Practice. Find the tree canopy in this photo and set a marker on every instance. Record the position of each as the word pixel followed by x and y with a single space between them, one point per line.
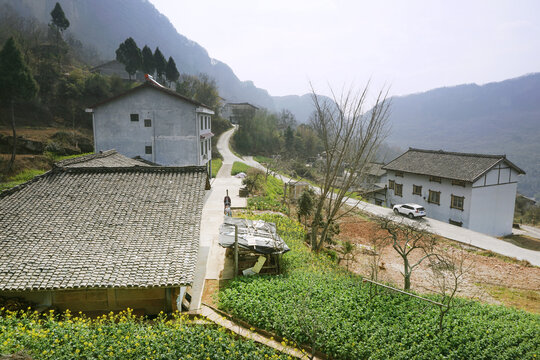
pixel 59 20
pixel 171 72
pixel 129 54
pixel 148 63
pixel 15 77
pixel 160 63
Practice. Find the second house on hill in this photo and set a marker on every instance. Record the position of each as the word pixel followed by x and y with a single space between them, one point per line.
pixel 156 124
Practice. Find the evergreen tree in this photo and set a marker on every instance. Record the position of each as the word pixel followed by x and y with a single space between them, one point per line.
pixel 171 72
pixel 160 63
pixel 129 54
pixel 59 20
pixel 289 142
pixel 17 84
pixel 148 64
pixel 59 23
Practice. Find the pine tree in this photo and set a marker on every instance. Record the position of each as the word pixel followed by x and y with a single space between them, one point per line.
pixel 59 20
pixel 129 54
pixel 59 23
pixel 148 64
pixel 171 72
pixel 17 84
pixel 160 63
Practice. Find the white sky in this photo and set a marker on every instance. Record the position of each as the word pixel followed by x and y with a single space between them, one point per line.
pixel 410 45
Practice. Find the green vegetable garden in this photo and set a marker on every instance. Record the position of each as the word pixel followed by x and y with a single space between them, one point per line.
pixel 122 336
pixel 318 304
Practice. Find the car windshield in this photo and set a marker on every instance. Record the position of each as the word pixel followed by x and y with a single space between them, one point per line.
pixel 421 209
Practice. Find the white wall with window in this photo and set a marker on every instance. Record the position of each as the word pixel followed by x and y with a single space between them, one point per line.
pixel 435 194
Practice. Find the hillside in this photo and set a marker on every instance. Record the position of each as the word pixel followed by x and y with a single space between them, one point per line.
pixel 105 24
pixel 496 118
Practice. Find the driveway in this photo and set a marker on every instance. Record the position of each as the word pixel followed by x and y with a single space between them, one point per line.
pixel 211 259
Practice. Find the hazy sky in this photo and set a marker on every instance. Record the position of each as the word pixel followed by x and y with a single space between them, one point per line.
pixel 412 46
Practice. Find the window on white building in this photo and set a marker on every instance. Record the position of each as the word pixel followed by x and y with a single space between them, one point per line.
pixel 398 190
pixel 457 202
pixel 434 197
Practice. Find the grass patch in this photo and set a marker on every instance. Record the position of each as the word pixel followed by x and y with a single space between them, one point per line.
pixel 20 178
pixel 239 167
pixel 262 159
pixel 523 241
pixel 56 157
pixel 511 260
pixel 122 336
pixel 216 165
pixel 528 300
pixel 316 299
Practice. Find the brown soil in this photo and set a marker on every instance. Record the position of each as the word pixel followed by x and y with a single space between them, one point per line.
pixel 485 271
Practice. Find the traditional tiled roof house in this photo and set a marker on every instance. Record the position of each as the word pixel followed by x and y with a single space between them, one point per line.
pixel 102 233
pixel 475 191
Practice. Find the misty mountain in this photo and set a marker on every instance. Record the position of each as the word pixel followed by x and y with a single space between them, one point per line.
pixel 496 118
pixel 104 24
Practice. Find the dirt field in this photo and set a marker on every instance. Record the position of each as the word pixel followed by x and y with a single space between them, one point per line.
pixel 491 279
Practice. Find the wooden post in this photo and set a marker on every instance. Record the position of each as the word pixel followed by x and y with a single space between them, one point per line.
pixel 235 250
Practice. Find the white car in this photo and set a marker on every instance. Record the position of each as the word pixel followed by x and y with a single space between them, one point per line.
pixel 411 210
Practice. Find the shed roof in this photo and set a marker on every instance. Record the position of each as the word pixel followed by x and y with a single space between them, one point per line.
pixel 101 227
pixel 451 165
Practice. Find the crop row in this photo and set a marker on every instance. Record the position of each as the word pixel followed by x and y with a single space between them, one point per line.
pixel 314 302
pixel 121 336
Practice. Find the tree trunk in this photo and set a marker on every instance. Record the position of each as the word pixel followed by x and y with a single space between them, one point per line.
pixel 406 274
pixel 14 151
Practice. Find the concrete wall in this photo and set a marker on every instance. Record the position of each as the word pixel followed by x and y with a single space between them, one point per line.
pixel 493 201
pixel 174 134
pixel 148 300
pixel 443 211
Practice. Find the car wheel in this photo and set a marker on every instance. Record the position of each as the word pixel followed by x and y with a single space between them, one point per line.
pixel 396 211
pixel 410 216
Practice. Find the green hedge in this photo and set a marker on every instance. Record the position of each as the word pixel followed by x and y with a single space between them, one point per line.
pixel 122 336
pixel 239 167
pixel 350 320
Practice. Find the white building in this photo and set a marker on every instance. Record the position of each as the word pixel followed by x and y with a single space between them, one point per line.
pixel 155 123
pixel 471 190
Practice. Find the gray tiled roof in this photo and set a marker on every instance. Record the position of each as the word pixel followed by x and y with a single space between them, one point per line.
pixel 102 227
pixel 109 158
pixel 450 165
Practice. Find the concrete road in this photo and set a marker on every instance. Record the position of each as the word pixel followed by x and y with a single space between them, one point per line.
pixel 211 259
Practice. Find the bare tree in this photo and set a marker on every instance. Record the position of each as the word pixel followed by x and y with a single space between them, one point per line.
pixel 448 272
pixel 407 238
pixel 377 243
pixel 351 137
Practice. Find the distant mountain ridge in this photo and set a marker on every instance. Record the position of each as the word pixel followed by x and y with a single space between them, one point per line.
pixel 104 24
pixel 495 118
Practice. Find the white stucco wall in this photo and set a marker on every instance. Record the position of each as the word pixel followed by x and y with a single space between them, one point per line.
pixel 441 212
pixel 174 134
pixel 493 201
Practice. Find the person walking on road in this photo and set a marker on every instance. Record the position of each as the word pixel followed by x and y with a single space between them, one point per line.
pixel 227 204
